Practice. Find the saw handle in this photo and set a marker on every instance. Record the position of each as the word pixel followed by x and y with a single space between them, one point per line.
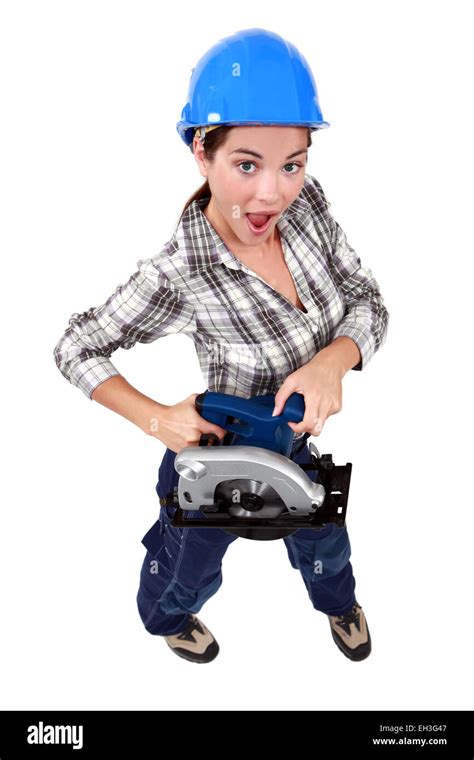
pixel 249 421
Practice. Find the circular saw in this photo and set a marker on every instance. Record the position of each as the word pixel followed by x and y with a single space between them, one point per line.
pixel 248 484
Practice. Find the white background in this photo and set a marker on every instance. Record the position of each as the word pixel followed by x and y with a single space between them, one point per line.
pixel 93 177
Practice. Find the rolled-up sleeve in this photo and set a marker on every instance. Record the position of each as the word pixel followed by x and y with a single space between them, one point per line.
pixel 366 317
pixel 147 307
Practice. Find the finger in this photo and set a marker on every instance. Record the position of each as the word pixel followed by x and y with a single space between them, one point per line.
pixel 191 443
pixel 316 424
pixel 310 416
pixel 313 425
pixel 281 397
pixel 302 427
pixel 220 432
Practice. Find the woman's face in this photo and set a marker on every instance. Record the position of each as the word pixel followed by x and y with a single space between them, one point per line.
pixel 259 170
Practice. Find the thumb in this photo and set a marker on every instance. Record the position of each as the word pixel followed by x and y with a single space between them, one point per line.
pixel 192 398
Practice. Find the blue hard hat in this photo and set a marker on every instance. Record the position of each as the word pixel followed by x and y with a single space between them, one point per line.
pixel 252 77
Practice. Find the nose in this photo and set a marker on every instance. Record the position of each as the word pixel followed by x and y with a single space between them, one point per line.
pixel 267 192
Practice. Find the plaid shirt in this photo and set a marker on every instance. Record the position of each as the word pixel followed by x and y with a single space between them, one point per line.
pixel 248 337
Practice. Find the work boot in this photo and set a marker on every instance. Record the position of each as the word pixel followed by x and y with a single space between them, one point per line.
pixel 351 633
pixel 195 643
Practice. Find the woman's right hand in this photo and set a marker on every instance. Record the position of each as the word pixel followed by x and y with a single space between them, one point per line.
pixel 181 425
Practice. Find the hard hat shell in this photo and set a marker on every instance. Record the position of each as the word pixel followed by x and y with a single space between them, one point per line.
pixel 252 77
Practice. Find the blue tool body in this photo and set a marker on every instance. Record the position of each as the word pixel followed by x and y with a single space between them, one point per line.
pixel 249 421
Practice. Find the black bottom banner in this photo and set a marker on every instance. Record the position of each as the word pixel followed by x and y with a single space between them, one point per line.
pixel 329 733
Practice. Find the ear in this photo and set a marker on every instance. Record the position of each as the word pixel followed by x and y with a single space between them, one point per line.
pixel 198 152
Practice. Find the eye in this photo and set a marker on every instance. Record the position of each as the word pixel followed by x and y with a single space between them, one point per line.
pixel 246 163
pixel 243 164
pixel 298 166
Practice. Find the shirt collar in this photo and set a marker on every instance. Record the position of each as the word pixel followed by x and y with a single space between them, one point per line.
pixel 203 247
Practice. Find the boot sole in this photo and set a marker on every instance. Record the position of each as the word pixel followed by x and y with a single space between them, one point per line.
pixel 208 656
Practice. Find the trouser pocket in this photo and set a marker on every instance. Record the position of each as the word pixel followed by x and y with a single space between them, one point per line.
pixel 167 476
pixel 319 554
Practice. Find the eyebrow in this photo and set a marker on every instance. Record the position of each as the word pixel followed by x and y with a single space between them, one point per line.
pixel 257 155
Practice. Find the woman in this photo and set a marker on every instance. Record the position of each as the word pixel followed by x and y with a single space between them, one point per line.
pixel 261 277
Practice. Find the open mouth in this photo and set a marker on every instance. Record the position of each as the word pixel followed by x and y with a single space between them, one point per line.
pixel 259 223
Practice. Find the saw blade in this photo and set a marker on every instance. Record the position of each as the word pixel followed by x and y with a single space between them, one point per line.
pixel 249 498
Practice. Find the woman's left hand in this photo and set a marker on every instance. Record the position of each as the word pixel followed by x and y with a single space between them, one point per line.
pixel 320 382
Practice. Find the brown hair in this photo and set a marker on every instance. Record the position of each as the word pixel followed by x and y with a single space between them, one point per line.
pixel 215 139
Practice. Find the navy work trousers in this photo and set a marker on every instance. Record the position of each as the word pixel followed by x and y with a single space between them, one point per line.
pixel 182 567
